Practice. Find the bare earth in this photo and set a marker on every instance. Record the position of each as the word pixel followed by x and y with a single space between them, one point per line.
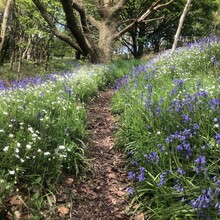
pixel 102 196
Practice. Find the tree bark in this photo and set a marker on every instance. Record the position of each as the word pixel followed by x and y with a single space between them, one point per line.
pixel 4 24
pixel 176 37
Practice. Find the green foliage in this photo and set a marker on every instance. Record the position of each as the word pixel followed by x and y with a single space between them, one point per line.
pixel 169 126
pixel 43 125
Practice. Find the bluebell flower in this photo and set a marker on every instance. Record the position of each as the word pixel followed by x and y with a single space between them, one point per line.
pixel 149 89
pixel 134 163
pixel 217 190
pixel 173 91
pixel 204 201
pixel 196 127
pixel 161 147
pixel 217 206
pixel 186 118
pixel 200 164
pixel 179 82
pixel 130 190
pixel 141 175
pixel 148 102
pixel 181 171
pixel 162 179
pixel 178 187
pixel 214 103
pixel 169 139
pixel 68 90
pixel 217 139
pixel 179 147
pixel 131 175
pixel 176 105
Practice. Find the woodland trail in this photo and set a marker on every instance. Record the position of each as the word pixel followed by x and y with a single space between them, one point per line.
pixel 101 196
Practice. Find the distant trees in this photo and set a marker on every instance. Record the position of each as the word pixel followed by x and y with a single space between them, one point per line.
pixel 159 30
pixel 38 29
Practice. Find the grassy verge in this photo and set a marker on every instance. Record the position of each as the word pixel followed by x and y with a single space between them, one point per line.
pixel 43 128
pixel 170 128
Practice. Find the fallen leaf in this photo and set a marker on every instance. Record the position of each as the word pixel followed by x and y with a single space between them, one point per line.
pixel 69 181
pixel 114 202
pixel 62 210
pixel 112 176
pixel 17 214
pixel 139 217
pixel 121 193
pixel 15 201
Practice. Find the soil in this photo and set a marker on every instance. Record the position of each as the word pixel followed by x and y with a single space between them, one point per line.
pixel 102 195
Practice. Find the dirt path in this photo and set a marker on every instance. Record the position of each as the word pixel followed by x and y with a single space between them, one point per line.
pixel 102 196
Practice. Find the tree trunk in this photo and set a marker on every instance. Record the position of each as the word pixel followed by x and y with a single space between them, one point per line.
pixel 176 37
pixel 156 46
pixel 102 53
pixel 4 25
pixel 19 64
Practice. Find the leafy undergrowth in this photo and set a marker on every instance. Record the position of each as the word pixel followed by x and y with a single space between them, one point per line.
pixel 170 128
pixel 43 128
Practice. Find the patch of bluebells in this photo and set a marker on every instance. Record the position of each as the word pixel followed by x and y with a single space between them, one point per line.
pixel 188 112
pixel 183 138
pixel 152 157
pixel 204 202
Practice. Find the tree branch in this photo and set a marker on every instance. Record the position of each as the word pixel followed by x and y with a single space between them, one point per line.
pixel 155 6
pixel 73 26
pixel 84 17
pixel 53 28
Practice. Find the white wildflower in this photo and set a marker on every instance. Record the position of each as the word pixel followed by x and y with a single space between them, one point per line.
pixel 61 147
pixel 34 135
pixel 28 146
pixel 6 148
pixel 30 129
pixel 1 130
pixel 11 172
pixel 46 153
pixel 11 135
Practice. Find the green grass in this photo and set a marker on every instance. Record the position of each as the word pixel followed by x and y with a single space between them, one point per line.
pixel 169 126
pixel 43 127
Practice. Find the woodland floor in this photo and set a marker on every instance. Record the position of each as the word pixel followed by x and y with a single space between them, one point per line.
pixel 102 195
pixel 98 195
